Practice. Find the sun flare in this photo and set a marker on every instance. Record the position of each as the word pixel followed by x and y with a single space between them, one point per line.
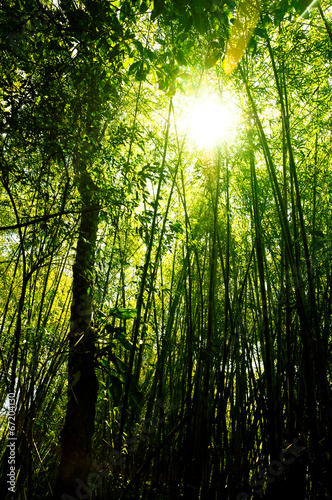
pixel 211 121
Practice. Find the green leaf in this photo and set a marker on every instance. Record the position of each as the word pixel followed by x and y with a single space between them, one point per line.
pixel 176 227
pixel 126 11
pixel 157 9
pixel 134 67
pixel 122 339
pixel 199 22
pixel 123 313
pixel 121 367
pixel 140 69
pixel 103 217
pixel 114 389
pixel 143 7
pixel 139 46
pixel 114 329
pixel 142 72
pixel 180 57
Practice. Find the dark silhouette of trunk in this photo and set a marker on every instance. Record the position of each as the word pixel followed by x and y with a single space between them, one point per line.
pixel 72 481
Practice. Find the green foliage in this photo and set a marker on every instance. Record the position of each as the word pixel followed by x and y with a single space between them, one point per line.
pixel 210 277
pixel 123 313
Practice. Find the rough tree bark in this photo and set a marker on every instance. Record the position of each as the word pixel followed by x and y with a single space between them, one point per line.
pixel 76 435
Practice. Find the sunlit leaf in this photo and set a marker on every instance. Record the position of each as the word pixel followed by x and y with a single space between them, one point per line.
pixel 245 23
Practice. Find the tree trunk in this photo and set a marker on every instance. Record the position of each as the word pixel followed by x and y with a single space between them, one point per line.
pixel 76 435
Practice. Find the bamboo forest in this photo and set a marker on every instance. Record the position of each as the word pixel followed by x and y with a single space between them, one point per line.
pixel 165 249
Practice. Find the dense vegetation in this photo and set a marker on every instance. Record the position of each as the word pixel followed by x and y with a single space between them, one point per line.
pixel 165 308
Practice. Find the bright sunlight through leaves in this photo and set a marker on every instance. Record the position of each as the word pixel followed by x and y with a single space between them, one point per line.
pixel 245 23
pixel 212 121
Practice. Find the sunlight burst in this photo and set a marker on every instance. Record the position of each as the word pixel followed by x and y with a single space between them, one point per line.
pixel 211 121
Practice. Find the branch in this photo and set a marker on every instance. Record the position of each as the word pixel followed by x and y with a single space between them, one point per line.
pixel 42 218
